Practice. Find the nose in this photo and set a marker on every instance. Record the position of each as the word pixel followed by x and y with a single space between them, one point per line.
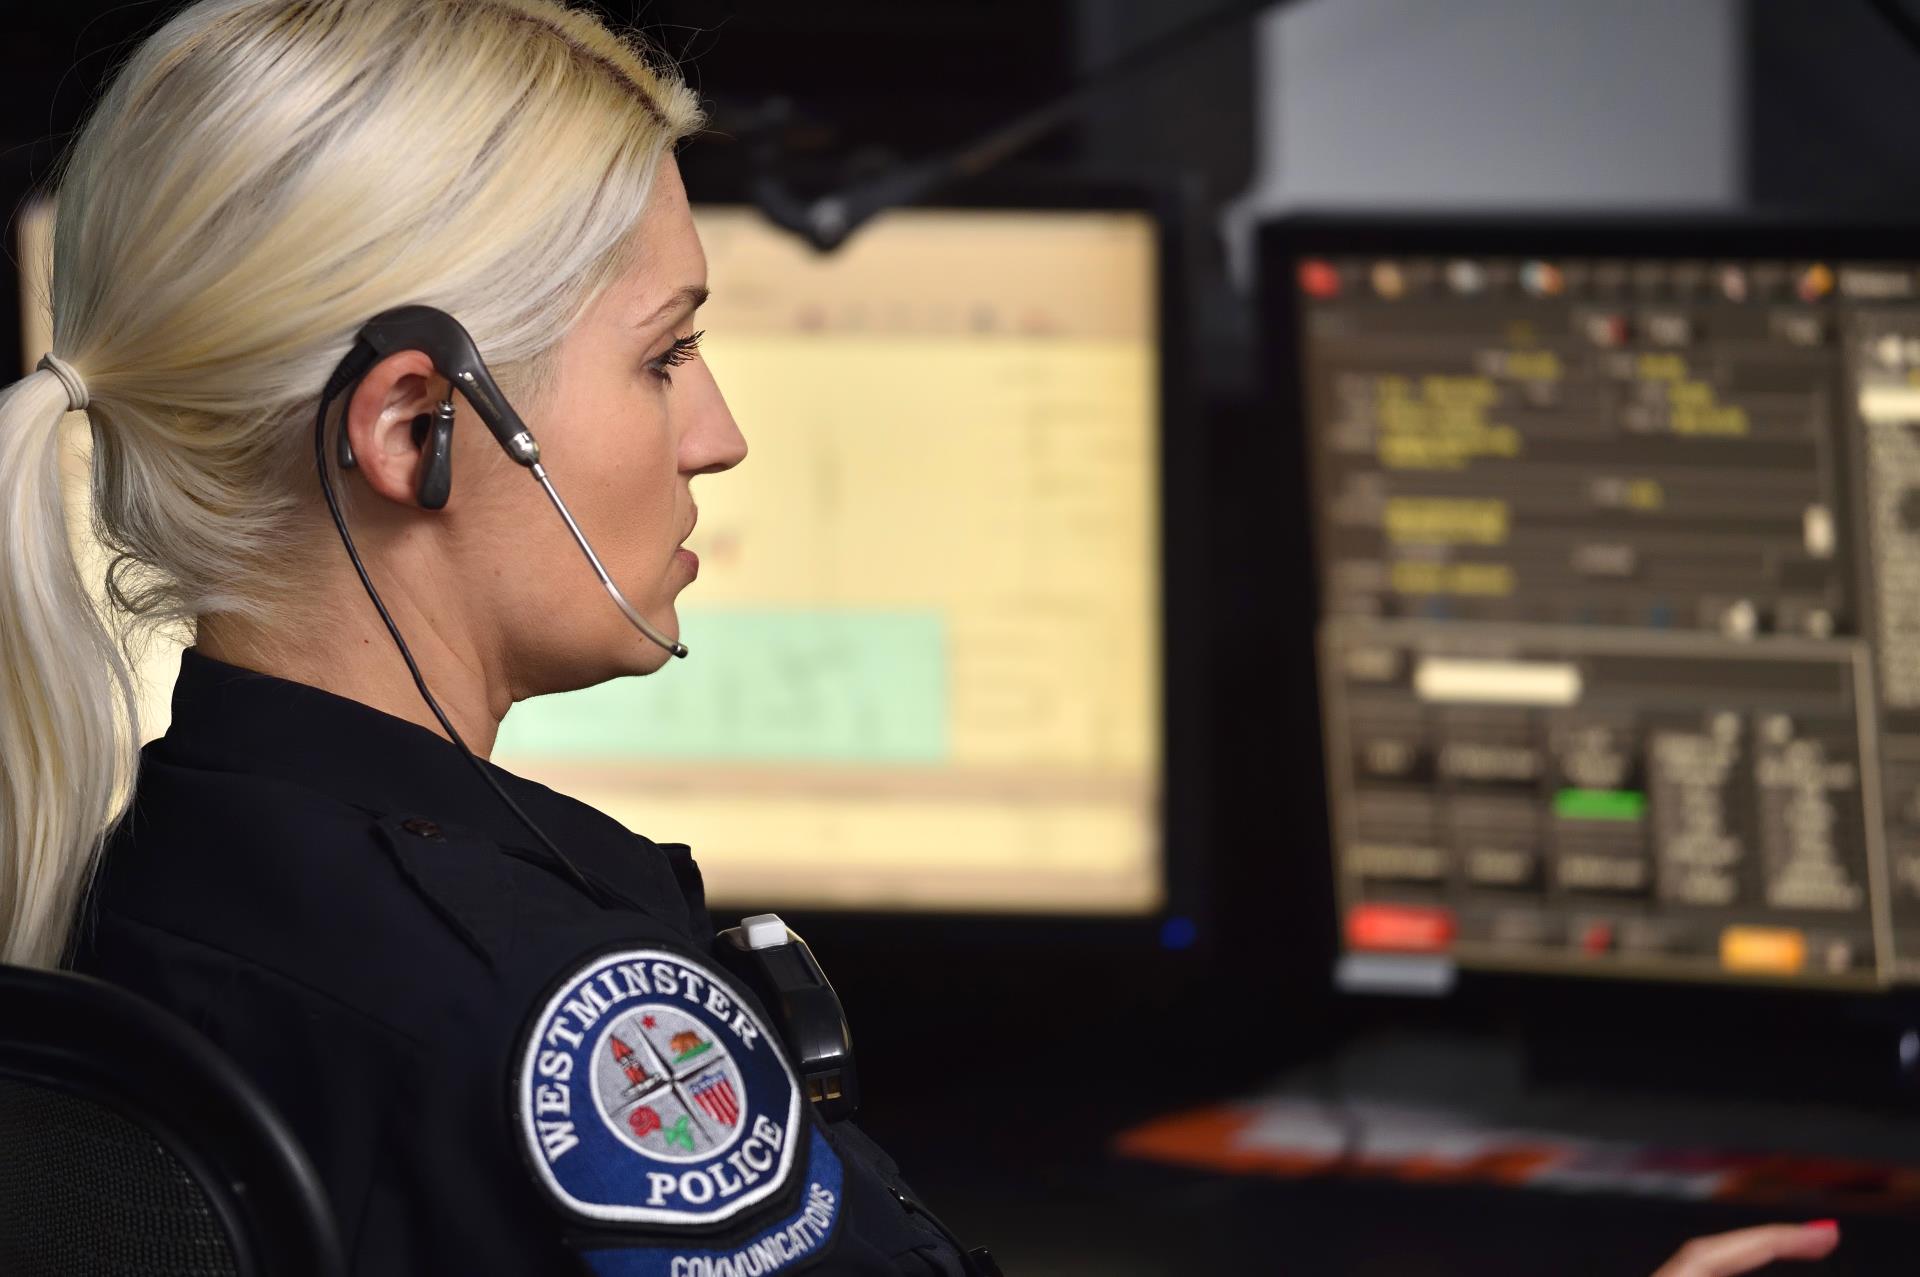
pixel 712 441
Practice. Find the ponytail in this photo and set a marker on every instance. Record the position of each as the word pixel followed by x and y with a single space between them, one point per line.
pixel 67 728
pixel 250 189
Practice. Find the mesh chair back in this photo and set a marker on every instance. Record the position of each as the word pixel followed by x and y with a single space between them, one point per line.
pixel 169 1166
pixel 84 1192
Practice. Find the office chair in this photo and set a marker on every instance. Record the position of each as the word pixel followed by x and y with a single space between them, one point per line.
pixel 130 1146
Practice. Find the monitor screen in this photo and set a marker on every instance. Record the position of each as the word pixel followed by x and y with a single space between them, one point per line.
pixel 1617 532
pixel 925 666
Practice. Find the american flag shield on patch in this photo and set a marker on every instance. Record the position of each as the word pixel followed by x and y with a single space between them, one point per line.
pixel 714 1094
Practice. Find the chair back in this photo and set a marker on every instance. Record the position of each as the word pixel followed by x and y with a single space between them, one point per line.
pixel 129 1144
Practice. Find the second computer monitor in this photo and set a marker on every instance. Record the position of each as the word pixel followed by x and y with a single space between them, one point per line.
pixel 1617 531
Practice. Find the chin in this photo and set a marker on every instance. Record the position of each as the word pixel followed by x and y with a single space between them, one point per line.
pixel 614 650
pixel 645 658
pixel 638 654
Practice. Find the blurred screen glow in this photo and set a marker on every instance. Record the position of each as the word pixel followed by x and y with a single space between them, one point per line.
pixel 925 637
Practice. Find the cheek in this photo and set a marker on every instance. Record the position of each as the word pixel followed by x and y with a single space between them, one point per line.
pixel 636 477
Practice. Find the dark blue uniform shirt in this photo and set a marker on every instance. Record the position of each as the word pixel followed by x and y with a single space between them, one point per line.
pixel 333 897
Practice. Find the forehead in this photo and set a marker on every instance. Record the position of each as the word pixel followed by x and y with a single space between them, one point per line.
pixel 670 256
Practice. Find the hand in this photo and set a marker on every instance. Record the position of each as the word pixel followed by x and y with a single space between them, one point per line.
pixel 1746 1249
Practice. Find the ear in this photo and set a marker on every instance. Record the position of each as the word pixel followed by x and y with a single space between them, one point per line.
pixel 379 423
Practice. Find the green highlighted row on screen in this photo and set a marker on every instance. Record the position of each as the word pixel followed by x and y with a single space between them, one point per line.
pixel 1600 804
pixel 839 686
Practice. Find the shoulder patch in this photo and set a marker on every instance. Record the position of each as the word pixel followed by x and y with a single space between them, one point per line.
pixel 648 1094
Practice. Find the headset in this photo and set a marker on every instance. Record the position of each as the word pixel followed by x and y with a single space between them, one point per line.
pixel 447 343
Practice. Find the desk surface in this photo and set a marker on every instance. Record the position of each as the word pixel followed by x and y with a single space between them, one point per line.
pixel 1039 1185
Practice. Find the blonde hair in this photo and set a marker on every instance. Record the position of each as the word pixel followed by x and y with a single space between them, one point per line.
pixel 261 178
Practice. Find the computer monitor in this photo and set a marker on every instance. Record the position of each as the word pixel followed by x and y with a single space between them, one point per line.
pixel 927 664
pixel 1617 537
pixel 926 636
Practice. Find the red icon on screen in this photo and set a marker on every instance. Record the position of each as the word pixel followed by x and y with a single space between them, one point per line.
pixel 1608 330
pixel 1400 928
pixel 1319 279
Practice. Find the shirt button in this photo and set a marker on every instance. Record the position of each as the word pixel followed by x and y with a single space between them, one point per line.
pixel 421 828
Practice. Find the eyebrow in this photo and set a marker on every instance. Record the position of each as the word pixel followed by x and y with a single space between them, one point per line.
pixel 690 297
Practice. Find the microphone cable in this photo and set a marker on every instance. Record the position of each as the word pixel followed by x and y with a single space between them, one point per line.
pixel 335 385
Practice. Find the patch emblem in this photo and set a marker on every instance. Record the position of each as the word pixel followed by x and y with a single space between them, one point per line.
pixel 648 1094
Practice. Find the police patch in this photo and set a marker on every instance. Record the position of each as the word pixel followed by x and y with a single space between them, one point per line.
pixel 649 1094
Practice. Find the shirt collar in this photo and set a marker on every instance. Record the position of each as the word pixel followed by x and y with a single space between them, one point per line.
pixel 230 719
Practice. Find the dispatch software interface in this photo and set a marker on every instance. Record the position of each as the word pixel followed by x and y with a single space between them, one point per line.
pixel 1621 639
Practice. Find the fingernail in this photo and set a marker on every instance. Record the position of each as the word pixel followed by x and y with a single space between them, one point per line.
pixel 1833 1224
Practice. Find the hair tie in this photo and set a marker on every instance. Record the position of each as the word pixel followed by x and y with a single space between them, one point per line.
pixel 69 377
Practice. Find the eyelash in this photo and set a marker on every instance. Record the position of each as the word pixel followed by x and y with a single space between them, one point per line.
pixel 682 350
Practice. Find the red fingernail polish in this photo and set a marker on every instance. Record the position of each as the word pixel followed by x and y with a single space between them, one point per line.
pixel 1834 1224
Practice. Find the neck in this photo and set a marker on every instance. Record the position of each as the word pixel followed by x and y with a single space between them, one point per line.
pixel 350 654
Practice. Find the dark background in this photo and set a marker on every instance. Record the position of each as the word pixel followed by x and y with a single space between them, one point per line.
pixel 999 1060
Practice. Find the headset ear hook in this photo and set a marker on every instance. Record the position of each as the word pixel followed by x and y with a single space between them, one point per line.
pixel 436 464
pixel 344 452
pixel 435 430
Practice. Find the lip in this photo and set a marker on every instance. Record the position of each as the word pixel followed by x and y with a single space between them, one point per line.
pixel 694 524
pixel 688 557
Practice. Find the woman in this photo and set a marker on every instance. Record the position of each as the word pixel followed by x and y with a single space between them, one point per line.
pixel 501 1040
pixel 495 1018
